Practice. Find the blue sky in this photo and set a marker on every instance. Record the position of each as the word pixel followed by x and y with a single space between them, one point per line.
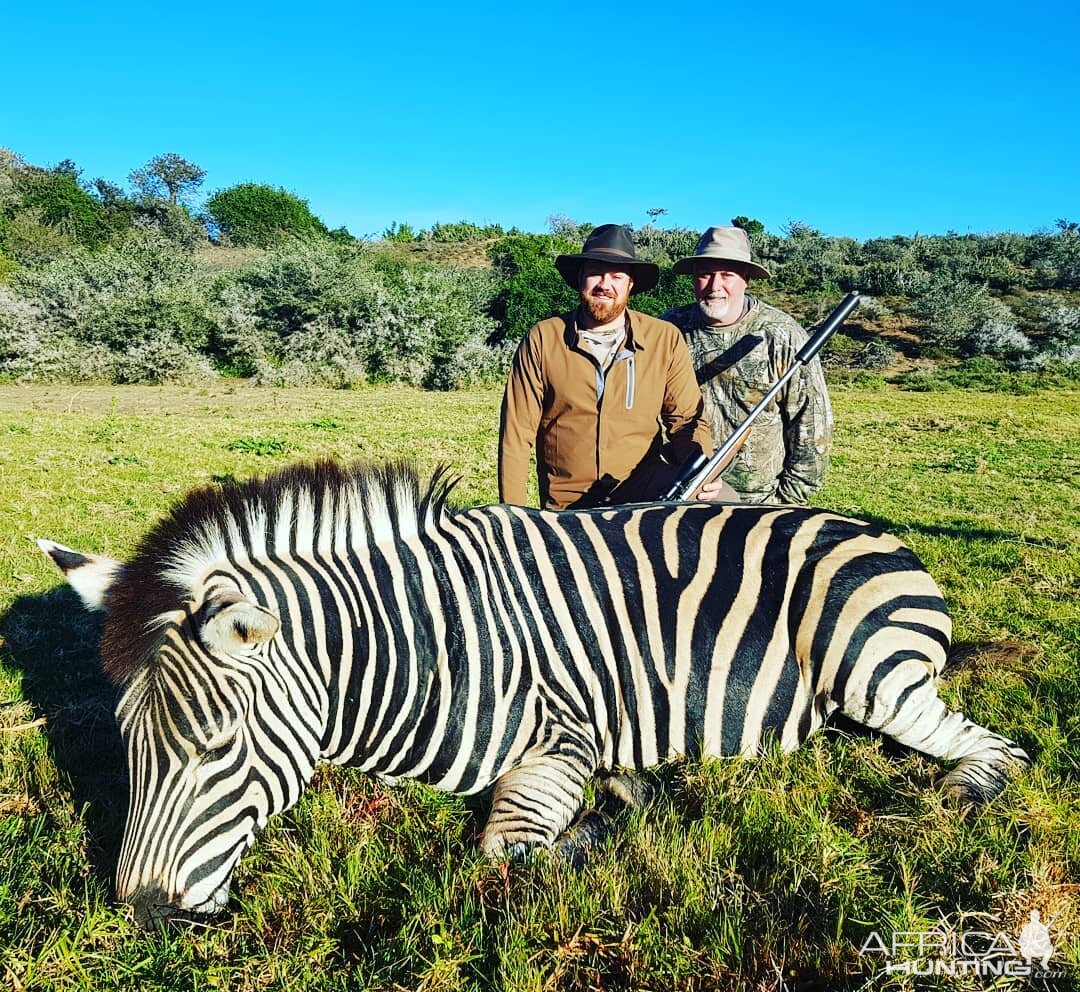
pixel 858 119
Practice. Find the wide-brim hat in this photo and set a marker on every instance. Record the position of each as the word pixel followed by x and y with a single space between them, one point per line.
pixel 723 244
pixel 612 245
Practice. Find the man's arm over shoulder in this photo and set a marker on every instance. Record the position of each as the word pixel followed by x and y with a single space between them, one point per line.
pixel 521 410
pixel 808 424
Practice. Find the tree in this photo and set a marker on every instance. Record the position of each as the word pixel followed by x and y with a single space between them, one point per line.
pixel 749 226
pixel 61 203
pixel 167 176
pixel 108 193
pixel 254 214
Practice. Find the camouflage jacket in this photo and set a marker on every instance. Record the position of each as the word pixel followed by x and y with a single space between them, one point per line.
pixel 785 457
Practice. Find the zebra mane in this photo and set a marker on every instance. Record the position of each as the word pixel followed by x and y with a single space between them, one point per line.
pixel 300 509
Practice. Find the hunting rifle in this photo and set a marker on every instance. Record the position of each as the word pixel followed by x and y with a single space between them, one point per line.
pixel 701 470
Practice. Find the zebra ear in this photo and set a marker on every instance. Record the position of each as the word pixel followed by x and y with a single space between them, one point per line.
pixel 91 576
pixel 231 624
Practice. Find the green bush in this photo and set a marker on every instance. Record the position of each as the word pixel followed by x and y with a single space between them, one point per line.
pixel 989 375
pixel 258 215
pixel 464 231
pixel 1058 257
pixel 63 204
pixel 664 246
pixel 8 267
pixel 131 312
pixel 951 308
pixel 400 233
pixel 531 288
pixel 172 221
pixel 671 291
pixel 314 311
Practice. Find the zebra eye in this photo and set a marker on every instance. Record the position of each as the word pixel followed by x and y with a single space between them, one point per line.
pixel 219 750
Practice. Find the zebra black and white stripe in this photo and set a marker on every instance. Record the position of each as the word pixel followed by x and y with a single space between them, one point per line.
pixel 344 615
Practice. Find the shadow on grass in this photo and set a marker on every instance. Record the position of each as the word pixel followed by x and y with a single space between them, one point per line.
pixel 960 531
pixel 54 641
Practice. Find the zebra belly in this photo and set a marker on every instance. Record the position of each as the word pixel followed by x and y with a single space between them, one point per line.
pixel 735 706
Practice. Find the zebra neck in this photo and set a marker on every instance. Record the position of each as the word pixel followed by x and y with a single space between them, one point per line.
pixel 385 661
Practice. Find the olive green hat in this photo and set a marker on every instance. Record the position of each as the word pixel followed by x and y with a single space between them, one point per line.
pixel 723 244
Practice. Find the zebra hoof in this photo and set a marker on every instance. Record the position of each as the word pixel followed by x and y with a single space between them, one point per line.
pixel 978 780
pixel 628 788
pixel 589 831
pixel 497 846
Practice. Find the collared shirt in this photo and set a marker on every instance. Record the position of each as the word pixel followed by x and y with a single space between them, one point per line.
pixel 785 457
pixel 592 426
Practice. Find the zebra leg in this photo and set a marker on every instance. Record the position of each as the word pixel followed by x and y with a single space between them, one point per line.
pixel 627 788
pixel 906 706
pixel 620 790
pixel 533 803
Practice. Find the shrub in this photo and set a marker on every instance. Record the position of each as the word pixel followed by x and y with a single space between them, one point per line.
pixel 806 259
pixel 8 267
pixel 1058 257
pixel 61 203
pixel 997 335
pixel 839 351
pixel 1061 343
pixel 29 242
pixel 31 348
pixel 400 233
pixel 289 318
pixel 951 309
pixel 531 288
pixel 473 363
pixel 463 231
pixel 569 230
pixel 664 246
pixel 900 278
pixel 124 293
pixel 875 354
pixel 319 312
pixel 133 312
pixel 671 291
pixel 160 356
pixel 317 353
pixel 173 221
pixel 254 214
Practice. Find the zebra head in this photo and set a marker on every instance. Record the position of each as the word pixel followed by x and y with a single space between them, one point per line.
pixel 217 740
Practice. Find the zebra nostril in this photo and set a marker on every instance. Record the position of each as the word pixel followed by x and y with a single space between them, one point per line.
pixel 152 907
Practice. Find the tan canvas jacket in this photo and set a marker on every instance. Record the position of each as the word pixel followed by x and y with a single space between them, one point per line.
pixel 591 427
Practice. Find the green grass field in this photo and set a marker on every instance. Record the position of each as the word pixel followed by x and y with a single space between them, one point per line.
pixel 768 874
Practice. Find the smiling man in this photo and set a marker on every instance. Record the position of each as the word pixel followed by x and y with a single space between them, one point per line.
pixel 595 390
pixel 740 347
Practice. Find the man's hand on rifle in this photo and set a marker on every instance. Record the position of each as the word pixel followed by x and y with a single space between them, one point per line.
pixel 718 491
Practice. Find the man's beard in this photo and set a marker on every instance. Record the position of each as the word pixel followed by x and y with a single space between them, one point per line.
pixel 603 309
pixel 715 310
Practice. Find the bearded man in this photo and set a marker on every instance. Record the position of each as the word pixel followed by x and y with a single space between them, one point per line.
pixel 594 390
pixel 740 347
